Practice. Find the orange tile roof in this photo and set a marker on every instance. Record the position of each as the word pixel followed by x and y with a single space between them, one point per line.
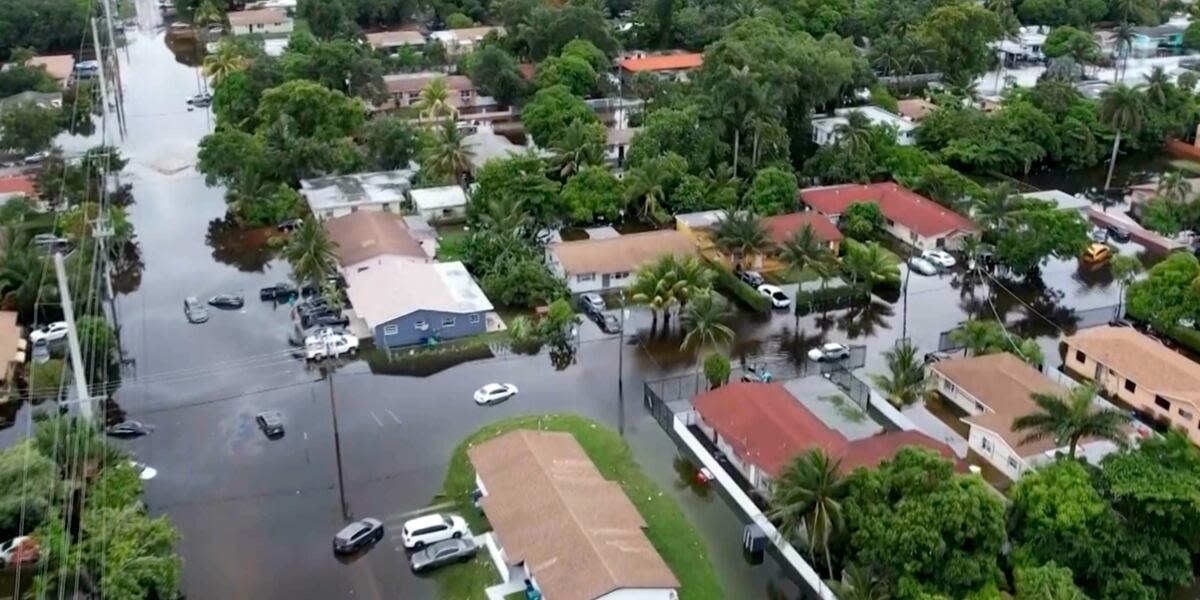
pixel 663 62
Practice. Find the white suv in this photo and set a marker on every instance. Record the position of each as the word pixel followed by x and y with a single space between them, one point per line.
pixel 426 530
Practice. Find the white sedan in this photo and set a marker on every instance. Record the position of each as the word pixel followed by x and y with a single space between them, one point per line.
pixel 922 266
pixel 49 333
pixel 775 295
pixel 495 393
pixel 829 351
pixel 940 258
pixel 145 472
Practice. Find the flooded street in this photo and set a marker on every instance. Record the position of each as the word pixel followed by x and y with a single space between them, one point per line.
pixel 257 516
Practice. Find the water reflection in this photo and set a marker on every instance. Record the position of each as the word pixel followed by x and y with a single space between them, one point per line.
pixel 127 266
pixel 866 319
pixel 689 478
pixel 244 249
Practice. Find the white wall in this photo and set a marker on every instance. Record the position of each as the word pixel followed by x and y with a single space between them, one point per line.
pixel 275 28
pixel 997 451
pixel 752 473
pixel 341 211
pixel 641 594
pixel 596 282
pixel 434 215
pixel 956 394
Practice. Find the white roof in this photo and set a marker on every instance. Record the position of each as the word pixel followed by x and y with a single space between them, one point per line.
pixel 486 144
pixel 450 196
pixel 702 219
pixel 874 114
pixel 1061 199
pixel 356 190
pixel 388 287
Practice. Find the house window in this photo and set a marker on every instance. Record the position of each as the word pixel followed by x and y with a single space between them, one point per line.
pixel 1162 403
pixel 473 319
pixel 448 321
pixel 465 96
pixel 949 386
pixel 987 445
pixel 1187 414
pixel 621 275
pixel 980 407
pixel 1080 356
pixel 447 212
pixel 420 324
pixel 582 277
pixel 1130 386
pixel 1013 464
pixel 391 329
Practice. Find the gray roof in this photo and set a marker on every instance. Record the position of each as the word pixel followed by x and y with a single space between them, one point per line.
pixel 448 196
pixel 1061 199
pixel 389 287
pixel 486 145
pixel 357 190
pixel 701 220
pixel 1159 31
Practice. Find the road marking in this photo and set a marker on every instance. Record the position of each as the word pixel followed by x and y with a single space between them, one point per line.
pixel 394 417
pixel 377 421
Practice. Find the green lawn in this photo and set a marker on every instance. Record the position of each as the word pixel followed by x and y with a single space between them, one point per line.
pixel 667 528
pixel 782 277
pixel 451 243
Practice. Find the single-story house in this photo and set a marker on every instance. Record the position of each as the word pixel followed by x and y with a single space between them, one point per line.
pixel 595 265
pixel 395 39
pixel 618 141
pixel 914 109
pixel 486 144
pixel 1061 200
pixel 908 216
pixel 1140 372
pixel 340 195
pixel 994 390
pixel 671 65
pixel 405 88
pixel 1147 40
pixel 1026 47
pixel 780 228
pixel 12 349
pixel 41 99
pixel 60 66
pixel 702 226
pixel 825 130
pixel 559 523
pixel 261 21
pixel 17 186
pixel 761 427
pixel 405 301
pixel 445 203
pixel 367 234
pixel 462 41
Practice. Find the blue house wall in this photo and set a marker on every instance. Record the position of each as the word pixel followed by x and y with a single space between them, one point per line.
pixel 407 330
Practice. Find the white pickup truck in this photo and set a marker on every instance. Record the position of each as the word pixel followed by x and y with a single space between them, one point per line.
pixel 320 347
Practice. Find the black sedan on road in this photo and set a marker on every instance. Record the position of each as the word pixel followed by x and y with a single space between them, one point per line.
pixel 607 323
pixel 280 292
pixel 227 301
pixel 128 429
pixel 443 553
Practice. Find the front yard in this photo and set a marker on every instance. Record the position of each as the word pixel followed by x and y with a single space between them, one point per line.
pixel 667 528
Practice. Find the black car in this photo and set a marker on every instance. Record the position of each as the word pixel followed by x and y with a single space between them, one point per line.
pixel 751 278
pixel 227 301
pixel 271 423
pixel 357 535
pixel 128 429
pixel 1118 233
pixel 607 323
pixel 324 320
pixel 280 292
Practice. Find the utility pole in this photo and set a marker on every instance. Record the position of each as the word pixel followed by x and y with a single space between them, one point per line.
pixel 103 86
pixel 621 372
pixel 337 438
pixel 78 369
pixel 116 64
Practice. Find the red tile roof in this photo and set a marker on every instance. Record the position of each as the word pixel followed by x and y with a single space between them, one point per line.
pixel 663 62
pixel 17 185
pixel 781 227
pixel 768 427
pixel 922 215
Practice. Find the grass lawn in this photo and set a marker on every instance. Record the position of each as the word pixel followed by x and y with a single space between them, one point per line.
pixel 451 240
pixel 784 277
pixel 667 528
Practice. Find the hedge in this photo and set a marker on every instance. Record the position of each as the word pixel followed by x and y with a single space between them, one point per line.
pixel 841 296
pixel 735 289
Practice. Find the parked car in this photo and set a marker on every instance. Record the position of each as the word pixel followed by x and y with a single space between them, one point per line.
pixel 227 301
pixel 829 352
pixel 280 292
pixel 195 311
pixel 429 529
pixel 606 322
pixel 271 423
pixel 145 472
pixel 940 258
pixel 289 225
pixel 756 374
pixel 48 242
pixel 200 100
pixel 49 333
pixel 22 549
pixel 591 303
pixel 443 553
pixel 128 429
pixel 1098 235
pixel 921 266
pixel 36 158
pixel 1119 234
pixel 357 535
pixel 326 346
pixel 298 336
pixel 324 320
pixel 495 393
pixel 751 278
pixel 775 295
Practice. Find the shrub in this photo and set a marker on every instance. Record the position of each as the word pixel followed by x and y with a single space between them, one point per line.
pixel 716 370
pixel 840 296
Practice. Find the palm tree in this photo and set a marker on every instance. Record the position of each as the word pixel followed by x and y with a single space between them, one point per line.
pixel 448 154
pixel 803 249
pixel 1125 269
pixel 704 323
pixel 1158 87
pixel 434 102
pixel 1173 186
pixel 806 501
pixel 1028 350
pixel 854 136
pixel 905 380
pixel 21 276
pixel 1123 42
pixel 1121 107
pixel 976 337
pixel 1070 418
pixel 226 60
pixel 741 234
pixel 576 148
pixel 859 583
pixel 668 283
pixel 870 264
pixel 733 105
pixel 997 206
pixel 647 185
pixel 311 253
pixel 207 13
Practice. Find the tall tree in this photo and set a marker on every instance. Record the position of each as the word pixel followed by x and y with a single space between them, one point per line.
pixel 1125 269
pixel 802 249
pixel 434 101
pixel 904 382
pixel 448 154
pixel 1122 109
pixel 741 235
pixel 870 265
pixel 580 145
pixel 312 254
pixel 806 500
pixel 1068 419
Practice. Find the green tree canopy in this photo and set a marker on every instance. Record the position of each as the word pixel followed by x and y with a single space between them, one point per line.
pixel 521 179
pixel 593 194
pixel 551 110
pixel 1168 292
pixel 772 192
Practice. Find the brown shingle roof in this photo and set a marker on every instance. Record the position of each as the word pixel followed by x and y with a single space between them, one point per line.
pixel 1136 357
pixel 623 253
pixel 392 39
pixel 1003 383
pixel 551 509
pixel 257 16
pixel 415 82
pixel 366 234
